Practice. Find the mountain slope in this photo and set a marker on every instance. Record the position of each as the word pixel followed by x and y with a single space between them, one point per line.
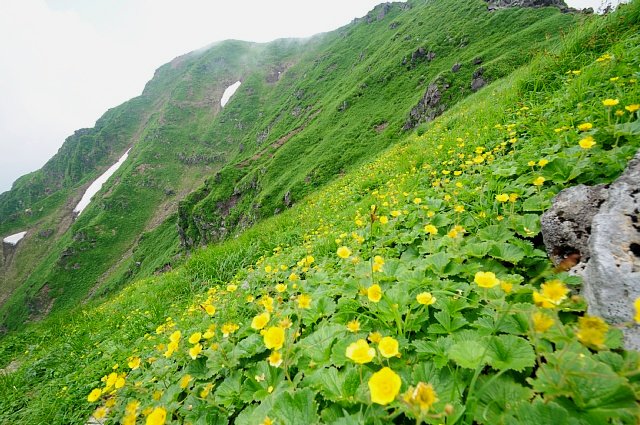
pixel 306 112
pixel 483 355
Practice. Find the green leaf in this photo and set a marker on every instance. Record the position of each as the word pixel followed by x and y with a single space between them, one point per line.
pixel 593 386
pixel 560 170
pixel 478 249
pixel 447 324
pixel 469 354
pixel 229 390
pixel 510 352
pixel 627 129
pixel 296 408
pixel 335 385
pixel 248 347
pixel 536 203
pixel 506 252
pixel 437 262
pixel 317 346
pixel 498 399
pixel 542 413
pixel 495 233
pixel 527 225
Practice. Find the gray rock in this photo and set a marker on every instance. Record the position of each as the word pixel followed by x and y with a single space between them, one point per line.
pixel 566 226
pixel 612 274
pixel 478 83
pixel 427 109
pixel 456 67
pixel 501 4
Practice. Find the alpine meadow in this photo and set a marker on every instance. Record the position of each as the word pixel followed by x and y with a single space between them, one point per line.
pixel 362 233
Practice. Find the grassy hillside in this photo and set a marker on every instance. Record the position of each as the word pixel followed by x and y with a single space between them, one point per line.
pixel 306 112
pixel 434 246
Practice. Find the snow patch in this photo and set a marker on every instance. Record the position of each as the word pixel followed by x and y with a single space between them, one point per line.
pixel 14 239
pixel 229 92
pixel 97 184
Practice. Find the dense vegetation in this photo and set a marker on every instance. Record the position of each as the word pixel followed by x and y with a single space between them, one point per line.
pixel 306 112
pixel 413 288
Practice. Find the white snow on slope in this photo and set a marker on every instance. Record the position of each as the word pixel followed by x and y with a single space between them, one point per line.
pixel 97 184
pixel 229 92
pixel 14 239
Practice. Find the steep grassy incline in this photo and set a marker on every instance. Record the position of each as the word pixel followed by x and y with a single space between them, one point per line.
pixel 306 112
pixel 354 95
pixel 413 289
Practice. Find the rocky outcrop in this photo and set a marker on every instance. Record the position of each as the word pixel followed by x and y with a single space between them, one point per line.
pixel 501 4
pixel 478 80
pixel 601 224
pixel 428 108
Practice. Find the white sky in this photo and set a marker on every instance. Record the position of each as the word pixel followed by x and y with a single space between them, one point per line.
pixel 65 62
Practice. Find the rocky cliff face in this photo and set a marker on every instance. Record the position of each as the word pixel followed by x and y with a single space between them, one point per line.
pixel 500 4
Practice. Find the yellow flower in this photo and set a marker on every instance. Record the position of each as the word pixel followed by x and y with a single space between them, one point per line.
pixel 486 279
pixel 592 330
pixel 513 197
pixel 268 269
pixel 267 421
pixel 134 363
pixel 636 304
pixel 425 298
pixel 360 352
pixel 541 322
pixel 120 381
pixel 417 201
pixel 422 396
pixel 353 326
pixel 375 337
pixel 275 359
pixel 228 329
pixel 267 303
pixel 383 219
pixel 531 163
pixel 260 321
pixel 506 286
pixel 632 108
pixel 539 181
pixel 281 287
pixel 431 229
pixel 610 102
pixel 184 382
pixel 395 213
pixel 210 332
pixel 543 162
pixel 175 337
pixel 587 143
pixel 157 416
pixel 458 208
pixel 232 288
pixel 195 337
pixel 94 395
pixel 374 293
pixel 553 293
pixel 585 126
pixel 274 338
pixel 195 350
pixel 206 390
pixel 210 309
pixel 388 347
pixel 100 413
pixel 304 301
pixel 503 197
pixel 293 277
pixel 344 252
pixel 384 386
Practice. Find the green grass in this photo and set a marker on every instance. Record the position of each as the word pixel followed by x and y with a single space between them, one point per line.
pixel 180 137
pixel 477 348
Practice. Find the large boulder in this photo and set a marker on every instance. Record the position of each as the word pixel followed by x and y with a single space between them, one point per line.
pixel 600 225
